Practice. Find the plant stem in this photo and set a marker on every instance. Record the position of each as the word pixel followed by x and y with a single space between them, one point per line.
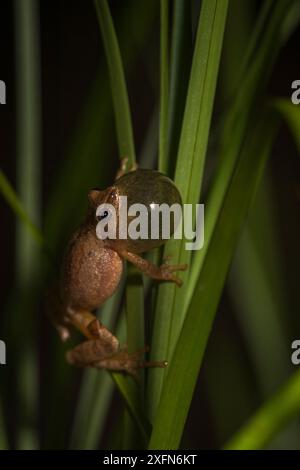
pixel 188 177
pixel 28 187
pixel 189 351
pixel 270 418
pixel 164 85
pixel 3 436
pixel 117 83
pixel 180 64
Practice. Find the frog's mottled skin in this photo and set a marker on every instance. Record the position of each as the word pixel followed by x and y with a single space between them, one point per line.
pixel 92 270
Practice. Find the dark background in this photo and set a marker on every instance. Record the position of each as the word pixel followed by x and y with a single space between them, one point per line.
pixel 71 52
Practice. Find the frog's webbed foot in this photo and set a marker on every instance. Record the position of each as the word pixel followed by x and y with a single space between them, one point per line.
pixel 166 272
pixel 122 170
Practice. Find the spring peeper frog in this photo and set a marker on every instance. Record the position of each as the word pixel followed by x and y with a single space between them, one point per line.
pixel 92 270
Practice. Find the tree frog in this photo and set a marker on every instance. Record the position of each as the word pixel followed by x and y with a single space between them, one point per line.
pixel 92 270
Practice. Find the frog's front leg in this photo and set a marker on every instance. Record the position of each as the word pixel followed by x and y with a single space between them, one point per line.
pixel 165 272
pixel 102 349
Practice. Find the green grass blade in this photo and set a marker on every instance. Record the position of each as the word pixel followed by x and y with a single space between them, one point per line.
pixel 117 83
pixel 96 388
pixel 258 288
pixel 291 114
pixel 17 207
pixel 133 407
pixel 3 436
pixel 291 21
pixel 135 340
pixel 85 164
pixel 258 307
pixel 89 420
pixel 188 177
pixel 238 29
pixel 240 55
pixel 134 304
pixel 92 140
pixel 261 310
pixel 96 391
pixel 225 380
pixel 164 86
pixel 184 368
pixel 239 26
pixel 28 84
pixel 236 123
pixel 88 427
pixel 149 148
pixel 272 416
pixel 180 63
pixel 195 130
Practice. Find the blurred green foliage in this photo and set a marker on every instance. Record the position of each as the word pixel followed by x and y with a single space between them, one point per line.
pixel 217 127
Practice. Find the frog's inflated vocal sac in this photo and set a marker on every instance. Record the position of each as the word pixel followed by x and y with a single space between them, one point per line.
pixel 92 270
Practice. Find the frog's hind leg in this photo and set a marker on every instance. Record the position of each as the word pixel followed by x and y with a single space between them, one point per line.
pixel 101 355
pixel 102 349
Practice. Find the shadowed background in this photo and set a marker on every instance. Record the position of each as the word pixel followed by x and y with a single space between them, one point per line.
pixel 248 353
